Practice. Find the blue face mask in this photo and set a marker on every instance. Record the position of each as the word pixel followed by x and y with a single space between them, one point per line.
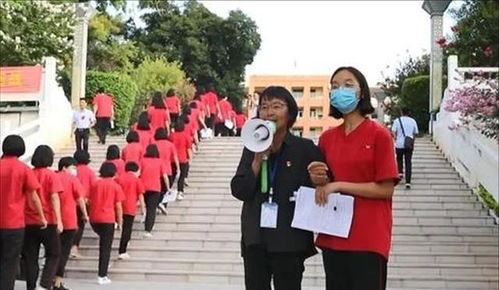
pixel 344 100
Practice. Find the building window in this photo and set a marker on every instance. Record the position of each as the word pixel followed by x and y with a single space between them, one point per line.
pixel 316 92
pixel 315 132
pixel 297 92
pixel 300 112
pixel 297 132
pixel 316 113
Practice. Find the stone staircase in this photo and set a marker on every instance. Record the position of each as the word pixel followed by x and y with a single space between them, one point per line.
pixel 443 237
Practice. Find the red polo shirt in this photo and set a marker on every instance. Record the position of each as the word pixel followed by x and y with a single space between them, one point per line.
pixel 166 153
pixel 211 100
pixel 132 152
pixel 200 106
pixel 73 190
pixel 50 184
pixel 364 155
pixel 104 105
pixel 120 165
pixel 194 118
pixel 104 195
pixel 17 181
pixel 86 176
pixel 132 188
pixel 225 108
pixel 240 120
pixel 173 103
pixel 152 169
pixel 183 143
pixel 158 118
pixel 145 137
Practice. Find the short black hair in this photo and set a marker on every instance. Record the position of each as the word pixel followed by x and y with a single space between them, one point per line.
pixel 193 105
pixel 13 145
pixel 197 96
pixel 170 93
pixel 405 111
pixel 186 110
pixel 132 137
pixel 83 99
pixel 185 118
pixel 152 151
pixel 113 152
pixel 82 157
pixel 107 169
pixel 131 166
pixel 42 157
pixel 365 107
pixel 179 125
pixel 66 162
pixel 101 90
pixel 143 122
pixel 281 93
pixel 161 134
pixel 157 101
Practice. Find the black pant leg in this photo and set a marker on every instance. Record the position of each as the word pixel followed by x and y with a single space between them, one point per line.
pixel 11 244
pixel 81 226
pixel 400 157
pixel 287 270
pixel 30 252
pixel 408 165
pixel 335 270
pixel 238 132
pixel 184 167
pixel 67 237
pixel 52 244
pixel 86 136
pixel 367 271
pixel 126 232
pixel 106 235
pixel 78 139
pixel 151 199
pixel 257 270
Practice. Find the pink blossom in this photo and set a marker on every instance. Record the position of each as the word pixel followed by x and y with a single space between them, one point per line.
pixel 488 51
pixel 454 28
pixel 442 42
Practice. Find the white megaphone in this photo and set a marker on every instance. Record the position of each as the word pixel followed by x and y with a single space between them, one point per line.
pixel 258 134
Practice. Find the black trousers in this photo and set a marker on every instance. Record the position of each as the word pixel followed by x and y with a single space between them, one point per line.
pixel 106 235
pixel 405 155
pixel 66 238
pixel 126 232
pixel 349 270
pixel 238 131
pixel 151 199
pixel 184 172
pixel 81 137
pixel 210 122
pixel 81 227
pixel 33 237
pixel 11 244
pixel 260 267
pixel 173 118
pixel 102 127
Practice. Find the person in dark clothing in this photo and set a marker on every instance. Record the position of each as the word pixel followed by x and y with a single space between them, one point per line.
pixel 276 251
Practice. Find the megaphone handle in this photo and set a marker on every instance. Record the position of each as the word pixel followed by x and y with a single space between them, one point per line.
pixel 265 176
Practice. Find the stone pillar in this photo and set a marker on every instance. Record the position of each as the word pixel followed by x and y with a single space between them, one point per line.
pixel 83 14
pixel 436 9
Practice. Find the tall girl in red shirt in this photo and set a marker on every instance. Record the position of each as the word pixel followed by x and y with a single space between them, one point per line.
pixel 167 153
pixel 158 113
pixel 172 102
pixel 49 191
pixel 183 144
pixel 144 130
pixel 360 155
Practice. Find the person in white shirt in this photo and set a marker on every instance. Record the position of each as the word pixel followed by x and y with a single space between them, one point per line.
pixel 402 127
pixel 83 120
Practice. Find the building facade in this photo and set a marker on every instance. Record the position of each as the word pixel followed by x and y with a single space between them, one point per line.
pixel 311 92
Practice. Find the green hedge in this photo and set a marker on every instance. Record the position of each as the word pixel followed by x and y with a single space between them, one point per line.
pixel 121 86
pixel 415 95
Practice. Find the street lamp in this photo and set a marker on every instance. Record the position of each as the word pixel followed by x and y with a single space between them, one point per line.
pixel 84 12
pixel 436 9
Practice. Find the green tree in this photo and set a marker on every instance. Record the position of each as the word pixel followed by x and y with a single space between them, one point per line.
pixel 476 35
pixel 415 95
pixel 30 30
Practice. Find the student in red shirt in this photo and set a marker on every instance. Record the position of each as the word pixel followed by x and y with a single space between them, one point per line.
pixel 173 104
pixel 158 113
pixel 49 191
pixel 232 118
pixel 168 154
pixel 113 156
pixel 72 196
pixel 104 113
pixel 200 106
pixel 18 184
pixel 197 117
pixel 87 177
pixel 105 209
pixel 183 144
pixel 189 128
pixel 144 130
pixel 240 121
pixel 133 190
pixel 152 170
pixel 212 100
pixel 133 151
pixel 360 155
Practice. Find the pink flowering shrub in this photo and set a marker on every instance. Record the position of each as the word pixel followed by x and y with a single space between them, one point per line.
pixel 478 105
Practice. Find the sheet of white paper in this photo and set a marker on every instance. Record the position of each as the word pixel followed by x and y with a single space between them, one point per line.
pixel 170 196
pixel 335 218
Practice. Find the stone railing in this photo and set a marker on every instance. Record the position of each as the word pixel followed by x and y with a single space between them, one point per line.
pixel 473 155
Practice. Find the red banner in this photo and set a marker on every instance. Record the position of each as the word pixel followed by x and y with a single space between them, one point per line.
pixel 20 79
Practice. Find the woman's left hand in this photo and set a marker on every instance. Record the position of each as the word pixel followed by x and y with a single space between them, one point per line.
pixel 322 193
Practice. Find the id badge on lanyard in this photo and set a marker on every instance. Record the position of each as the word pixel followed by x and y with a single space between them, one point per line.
pixel 270 209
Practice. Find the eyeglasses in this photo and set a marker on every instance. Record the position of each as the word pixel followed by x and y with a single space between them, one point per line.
pixel 275 107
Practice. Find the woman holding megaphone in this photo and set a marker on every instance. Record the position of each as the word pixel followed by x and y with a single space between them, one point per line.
pixel 266 179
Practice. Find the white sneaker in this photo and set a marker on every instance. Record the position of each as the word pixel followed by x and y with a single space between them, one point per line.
pixel 407 186
pixel 147 235
pixel 124 256
pixel 162 208
pixel 180 195
pixel 103 280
